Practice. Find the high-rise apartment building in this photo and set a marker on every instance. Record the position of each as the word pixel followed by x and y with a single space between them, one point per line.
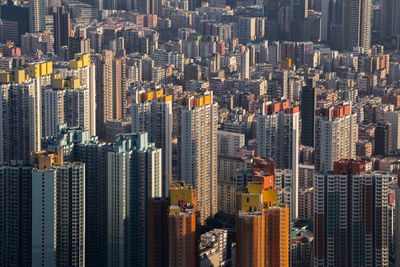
pixel 350 216
pixel 347 24
pixel 66 103
pixel 390 23
pixel 70 215
pixel 145 183
pixel 301 248
pixel 278 135
pixel 16 20
pixel 111 89
pixel 22 102
pixel 393 117
pixel 120 179
pixel 62 29
pixel 152 112
pixel 58 211
pixel 227 181
pixel 197 116
pixel 78 146
pixel 262 228
pixel 247 29
pixel 357 15
pixel 82 68
pixel 118 68
pixel 230 143
pixel 15 215
pixel 158 242
pixel 383 138
pixel 106 95
pixel 44 210
pixel 70 99
pixel 308 106
pixel 38 12
pixel 245 64
pixel 335 136
pixel 134 177
pixel 182 225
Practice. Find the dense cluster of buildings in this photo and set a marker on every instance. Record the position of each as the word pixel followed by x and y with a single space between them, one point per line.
pixel 189 133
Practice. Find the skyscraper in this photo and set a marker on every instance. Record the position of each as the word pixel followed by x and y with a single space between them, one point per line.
pixel 308 106
pixel 390 23
pixel 182 225
pixel 70 99
pixel 158 240
pixel 299 9
pixel 15 18
pixel 332 22
pixel 247 29
pixel 152 112
pixel 383 139
pixel 38 15
pixel 145 183
pixel 278 134
pixel 230 143
pixel 15 215
pixel 121 85
pixel 69 104
pixel 106 100
pixel 78 146
pixel 134 177
pixel 245 64
pixel 357 24
pixel 262 228
pixel 22 102
pixel 58 211
pixel 335 136
pixel 197 116
pixel 62 29
pixel 393 117
pixel 81 67
pixel 70 215
pixel 52 110
pixel 120 179
pixel 44 208
pixel 350 216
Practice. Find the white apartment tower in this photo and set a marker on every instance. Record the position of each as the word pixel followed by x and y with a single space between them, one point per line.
pixel 152 113
pixel 37 15
pixel 58 211
pixel 43 217
pixel 335 136
pixel 52 110
pixel 20 114
pixel 351 216
pixel 82 68
pixel 197 117
pixel 70 106
pixel 278 134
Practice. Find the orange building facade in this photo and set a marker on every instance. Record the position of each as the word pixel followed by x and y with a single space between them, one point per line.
pixel 182 225
pixel 262 228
